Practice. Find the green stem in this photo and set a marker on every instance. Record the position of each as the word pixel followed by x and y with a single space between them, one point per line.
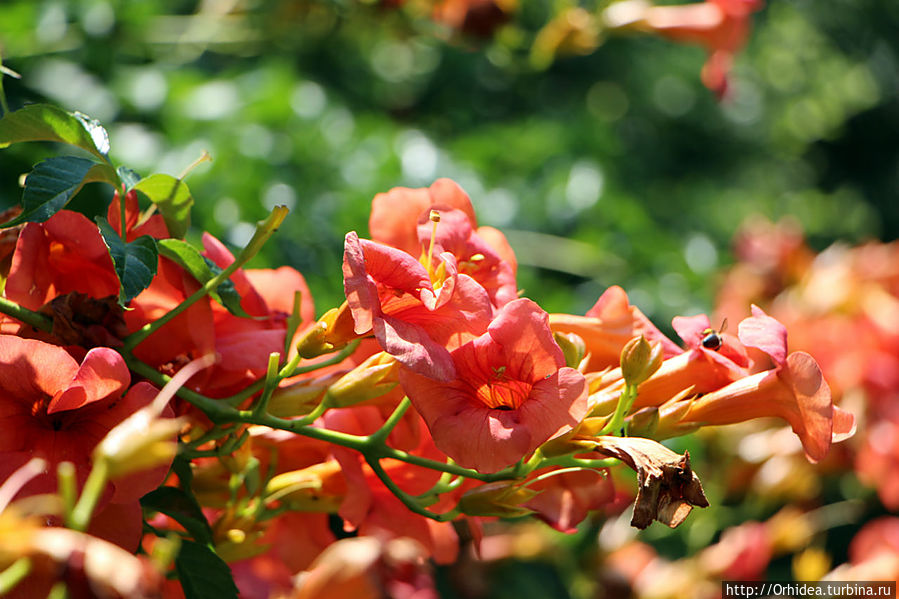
pixel 323 406
pixel 410 502
pixel 65 475
pixel 14 574
pixel 380 436
pixel 272 378
pixel 365 446
pixel 213 434
pixel 218 411
pixel 264 230
pixel 625 402
pixel 221 413
pixel 35 319
pixel 290 369
pixel 90 496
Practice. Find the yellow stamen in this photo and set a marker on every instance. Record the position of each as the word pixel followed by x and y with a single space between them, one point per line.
pixel 434 217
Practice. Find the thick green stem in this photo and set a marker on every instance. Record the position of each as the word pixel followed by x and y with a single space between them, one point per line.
pixel 35 319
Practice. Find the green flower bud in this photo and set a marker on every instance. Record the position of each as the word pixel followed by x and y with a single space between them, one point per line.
pixel 639 360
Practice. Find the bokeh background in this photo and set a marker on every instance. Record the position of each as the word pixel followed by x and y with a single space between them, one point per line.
pixel 615 167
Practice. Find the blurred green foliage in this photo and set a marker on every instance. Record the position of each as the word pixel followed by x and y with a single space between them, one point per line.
pixel 612 168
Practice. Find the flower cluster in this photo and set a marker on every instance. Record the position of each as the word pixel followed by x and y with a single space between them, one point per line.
pixel 178 402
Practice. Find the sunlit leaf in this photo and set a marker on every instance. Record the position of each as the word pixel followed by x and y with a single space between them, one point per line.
pixel 173 199
pixel 42 122
pixel 203 270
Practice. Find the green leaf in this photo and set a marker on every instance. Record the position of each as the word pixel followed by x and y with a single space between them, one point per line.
pixel 172 197
pixel 203 270
pixel 203 574
pixel 43 122
pixel 182 508
pixel 135 262
pixel 50 186
pixel 128 177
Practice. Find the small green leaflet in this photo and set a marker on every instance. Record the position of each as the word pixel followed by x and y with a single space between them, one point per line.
pixel 181 507
pixel 203 270
pixel 53 183
pixel 43 122
pixel 128 177
pixel 173 199
pixel 203 574
pixel 135 262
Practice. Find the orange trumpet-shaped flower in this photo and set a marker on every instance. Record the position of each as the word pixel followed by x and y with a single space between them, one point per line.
pixel 401 219
pixel 415 319
pixel 511 394
pixel 795 392
pixel 719 26
pixel 608 326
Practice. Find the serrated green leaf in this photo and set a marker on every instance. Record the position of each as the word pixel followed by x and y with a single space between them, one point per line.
pixel 203 270
pixel 128 177
pixel 135 262
pixel 173 199
pixel 203 574
pixel 182 508
pixel 50 186
pixel 43 122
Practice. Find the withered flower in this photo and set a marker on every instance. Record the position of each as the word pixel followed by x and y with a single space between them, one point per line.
pixel 668 487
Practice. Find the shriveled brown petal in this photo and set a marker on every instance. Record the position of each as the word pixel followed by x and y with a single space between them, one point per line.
pixel 668 487
pixel 79 319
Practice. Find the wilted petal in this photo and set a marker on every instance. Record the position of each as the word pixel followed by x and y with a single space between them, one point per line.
pixel 668 488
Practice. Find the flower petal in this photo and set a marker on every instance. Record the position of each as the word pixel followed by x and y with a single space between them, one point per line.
pixel 31 369
pixel 691 328
pixel 765 333
pixel 411 345
pixel 103 373
pixel 812 394
pixel 522 329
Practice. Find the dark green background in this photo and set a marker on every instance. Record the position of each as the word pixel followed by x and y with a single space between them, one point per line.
pixel 613 168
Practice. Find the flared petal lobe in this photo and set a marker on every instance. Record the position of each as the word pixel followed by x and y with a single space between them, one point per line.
pixel 797 393
pixel 512 392
pixel 391 294
pixel 395 214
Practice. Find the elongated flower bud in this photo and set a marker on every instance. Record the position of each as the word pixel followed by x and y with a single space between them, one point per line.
pixel 639 360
